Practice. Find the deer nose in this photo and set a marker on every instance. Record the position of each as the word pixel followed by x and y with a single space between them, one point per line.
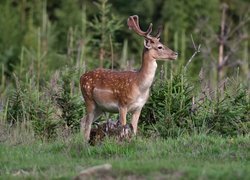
pixel 176 53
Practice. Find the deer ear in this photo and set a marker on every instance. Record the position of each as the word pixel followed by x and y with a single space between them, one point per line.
pixel 147 44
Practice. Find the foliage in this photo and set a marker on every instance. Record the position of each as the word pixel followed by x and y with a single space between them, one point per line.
pixel 44 120
pixel 68 16
pixel 228 116
pixel 29 105
pixel 64 97
pixel 9 42
pixel 189 14
pixel 172 110
pixel 53 108
pixel 169 106
pixel 15 107
pixel 104 27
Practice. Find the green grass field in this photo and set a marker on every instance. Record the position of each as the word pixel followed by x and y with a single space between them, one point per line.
pixel 189 157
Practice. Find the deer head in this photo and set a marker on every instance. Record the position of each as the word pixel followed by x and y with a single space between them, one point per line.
pixel 152 43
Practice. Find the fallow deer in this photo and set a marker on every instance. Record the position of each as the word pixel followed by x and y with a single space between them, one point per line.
pixel 123 91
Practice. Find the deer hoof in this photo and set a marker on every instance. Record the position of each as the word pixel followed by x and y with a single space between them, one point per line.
pixel 126 131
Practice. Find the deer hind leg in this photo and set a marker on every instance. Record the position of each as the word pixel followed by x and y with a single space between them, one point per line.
pixel 92 114
pixel 134 121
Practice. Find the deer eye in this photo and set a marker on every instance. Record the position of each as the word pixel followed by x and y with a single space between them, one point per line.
pixel 160 47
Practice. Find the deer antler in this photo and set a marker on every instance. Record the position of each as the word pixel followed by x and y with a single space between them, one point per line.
pixel 133 23
pixel 159 32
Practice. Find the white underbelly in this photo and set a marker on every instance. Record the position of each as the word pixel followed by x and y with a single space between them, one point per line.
pixel 112 105
pixel 138 104
pixel 103 102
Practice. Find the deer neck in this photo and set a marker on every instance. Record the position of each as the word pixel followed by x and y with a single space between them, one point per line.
pixel 146 73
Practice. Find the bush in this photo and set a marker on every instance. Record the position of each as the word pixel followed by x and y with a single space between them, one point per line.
pixel 228 116
pixel 169 105
pixel 48 109
pixel 28 104
pixel 64 96
pixel 44 119
pixel 171 110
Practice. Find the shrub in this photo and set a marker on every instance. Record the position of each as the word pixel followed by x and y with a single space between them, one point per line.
pixel 169 105
pixel 44 119
pixel 228 116
pixel 171 110
pixel 29 104
pixel 15 109
pixel 66 98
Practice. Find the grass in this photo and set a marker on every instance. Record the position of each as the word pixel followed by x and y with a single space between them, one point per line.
pixel 188 157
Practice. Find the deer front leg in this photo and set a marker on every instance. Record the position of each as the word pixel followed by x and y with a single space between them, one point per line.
pixel 134 121
pixel 123 114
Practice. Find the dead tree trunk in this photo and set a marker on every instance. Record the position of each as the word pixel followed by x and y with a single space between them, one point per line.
pixel 220 65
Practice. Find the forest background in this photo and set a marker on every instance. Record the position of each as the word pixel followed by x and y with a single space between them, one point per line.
pixel 45 46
